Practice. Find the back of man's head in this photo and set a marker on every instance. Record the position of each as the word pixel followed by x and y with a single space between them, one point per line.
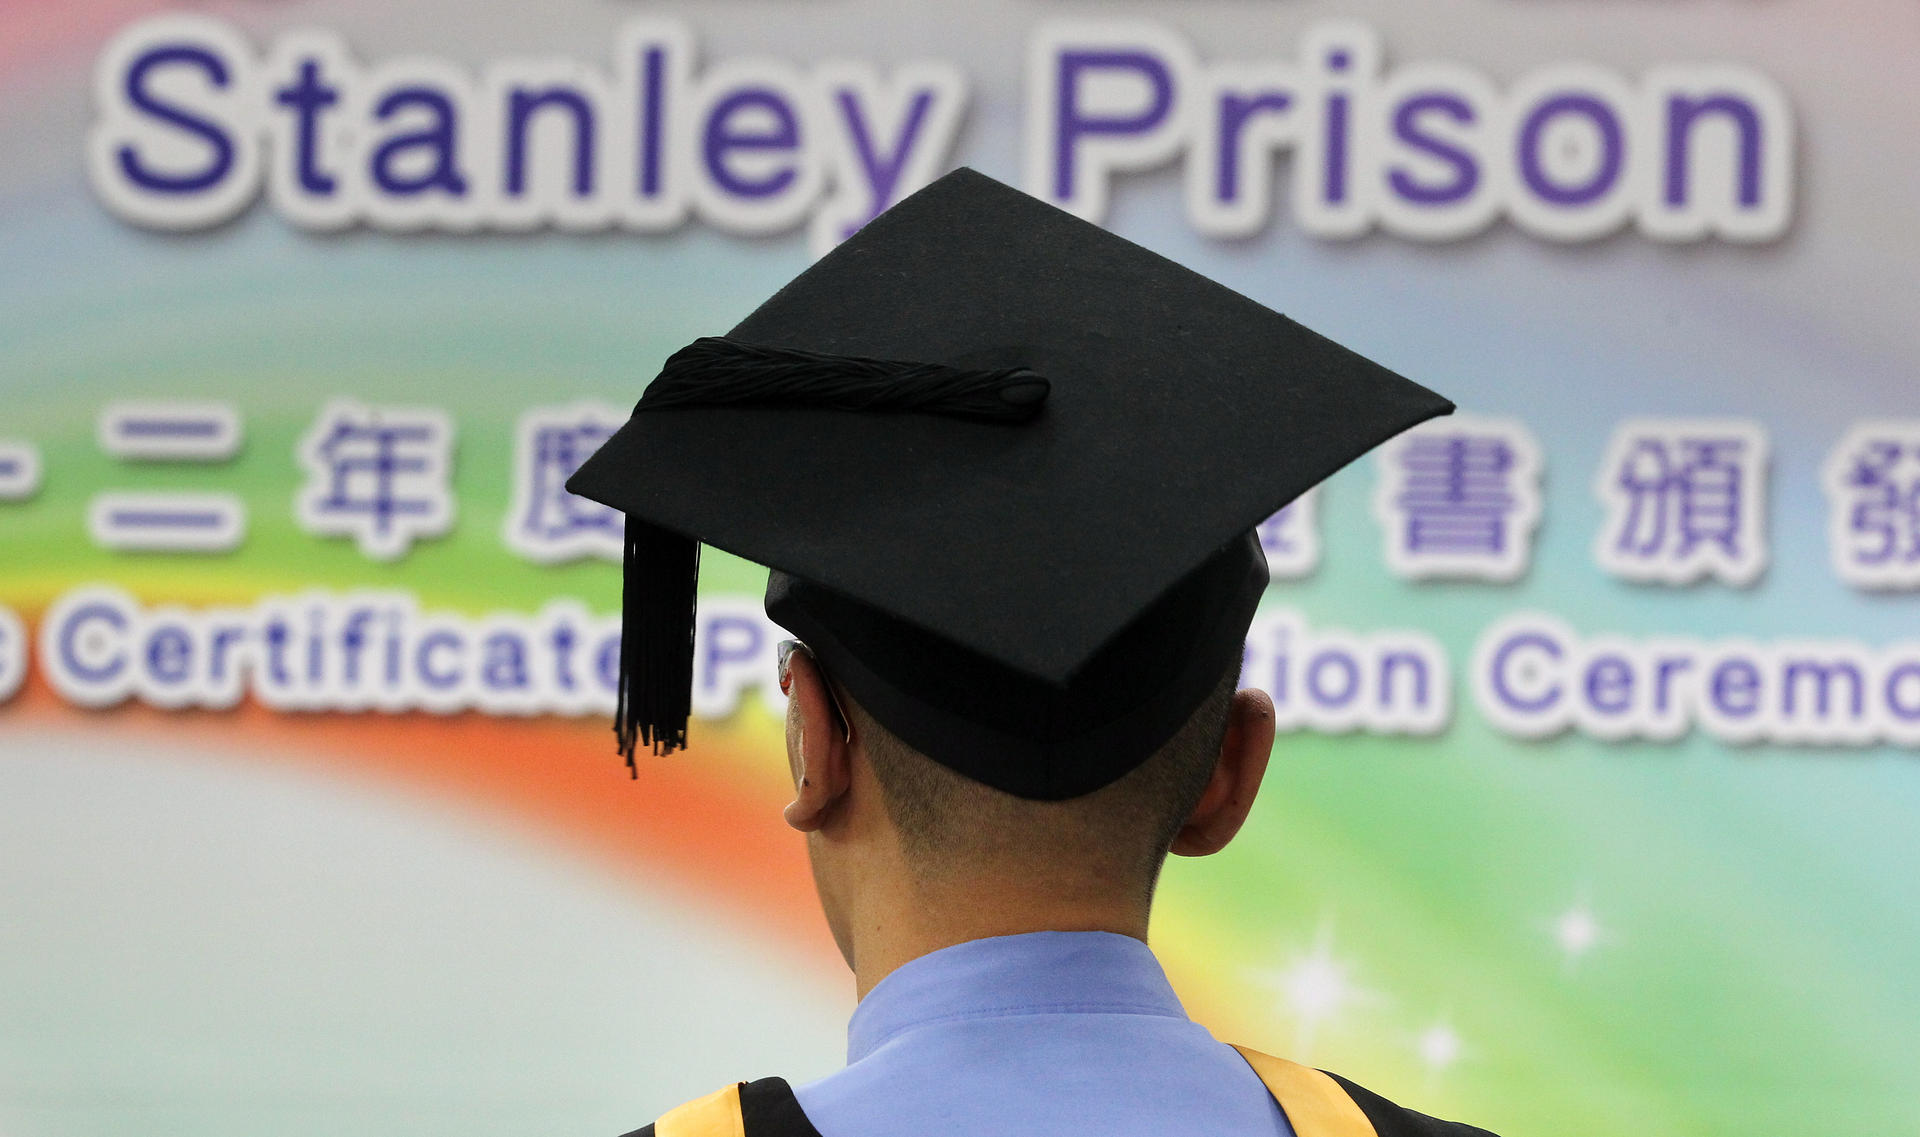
pixel 951 826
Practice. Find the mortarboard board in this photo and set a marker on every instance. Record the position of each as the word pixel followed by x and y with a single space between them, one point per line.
pixel 1004 467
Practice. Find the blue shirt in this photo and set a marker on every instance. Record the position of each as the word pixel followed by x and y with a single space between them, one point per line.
pixel 1040 1034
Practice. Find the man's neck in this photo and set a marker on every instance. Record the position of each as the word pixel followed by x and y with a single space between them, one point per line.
pixel 907 918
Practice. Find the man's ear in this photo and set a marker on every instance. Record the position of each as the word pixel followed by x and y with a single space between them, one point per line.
pixel 818 753
pixel 1236 777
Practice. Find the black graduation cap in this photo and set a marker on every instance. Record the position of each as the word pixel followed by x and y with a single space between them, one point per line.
pixel 1005 467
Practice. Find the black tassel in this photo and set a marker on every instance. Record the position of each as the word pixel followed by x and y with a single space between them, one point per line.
pixel 713 371
pixel 662 567
pixel 662 570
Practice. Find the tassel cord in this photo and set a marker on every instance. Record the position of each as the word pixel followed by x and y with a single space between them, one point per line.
pixel 662 568
pixel 715 371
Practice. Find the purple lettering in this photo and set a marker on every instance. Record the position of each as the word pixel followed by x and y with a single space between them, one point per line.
pixel 1735 688
pixel 606 662
pixel 1507 694
pixel 1663 679
pixel 1412 663
pixel 169 654
pixel 1235 111
pixel 1071 124
pixel 729 639
pixel 423 655
pixel 438 140
pixel 562 641
pixel 1682 114
pixel 503 665
pixel 522 105
pixel 882 170
pixel 1609 685
pixel 1612 150
pixel 722 138
pixel 1334 185
pixel 1897 678
pixel 316 627
pixel 1406 127
pixel 653 104
pixel 306 100
pixel 224 637
pixel 70 634
pixel 219 162
pixel 275 634
pixel 1350 686
pixel 1822 676
pixel 353 638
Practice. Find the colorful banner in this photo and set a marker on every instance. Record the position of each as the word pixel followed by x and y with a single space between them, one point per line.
pixel 1592 810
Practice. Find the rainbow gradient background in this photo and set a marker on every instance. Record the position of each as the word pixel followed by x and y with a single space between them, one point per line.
pixel 239 922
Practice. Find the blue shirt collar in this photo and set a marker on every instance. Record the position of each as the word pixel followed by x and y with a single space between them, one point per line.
pixel 1038 973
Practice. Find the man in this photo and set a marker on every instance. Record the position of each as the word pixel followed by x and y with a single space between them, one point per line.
pixel 1004 467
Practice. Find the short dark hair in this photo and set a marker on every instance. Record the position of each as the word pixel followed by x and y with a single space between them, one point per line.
pixel 1122 831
